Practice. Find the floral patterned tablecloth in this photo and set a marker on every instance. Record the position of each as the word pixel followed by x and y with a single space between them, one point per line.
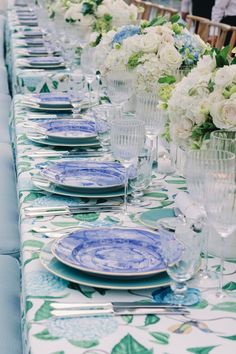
pixel 29 80
pixel 210 327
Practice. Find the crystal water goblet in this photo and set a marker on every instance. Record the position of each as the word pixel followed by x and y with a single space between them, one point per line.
pixel 88 67
pixel 185 267
pixel 127 141
pixel 120 86
pixel 140 180
pixel 220 205
pixel 198 164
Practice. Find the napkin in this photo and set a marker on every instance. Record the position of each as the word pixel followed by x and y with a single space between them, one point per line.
pixel 188 207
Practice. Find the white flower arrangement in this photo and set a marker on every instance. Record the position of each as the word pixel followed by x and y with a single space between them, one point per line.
pixel 101 15
pixel 156 50
pixel 204 101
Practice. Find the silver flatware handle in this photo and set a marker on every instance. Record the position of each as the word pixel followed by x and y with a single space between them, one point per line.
pixel 139 312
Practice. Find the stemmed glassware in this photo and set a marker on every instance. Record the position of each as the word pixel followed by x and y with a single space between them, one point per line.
pixel 141 178
pixel 103 116
pixel 154 118
pixel 88 66
pixel 187 265
pixel 120 85
pixel 127 140
pixel 199 163
pixel 220 205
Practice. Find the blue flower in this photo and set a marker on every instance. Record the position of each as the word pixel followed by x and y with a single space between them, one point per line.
pixel 189 47
pixel 42 283
pixel 125 32
pixel 83 328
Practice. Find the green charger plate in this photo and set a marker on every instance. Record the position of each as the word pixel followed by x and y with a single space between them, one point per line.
pixel 75 276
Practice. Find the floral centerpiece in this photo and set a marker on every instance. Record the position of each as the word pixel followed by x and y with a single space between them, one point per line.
pixel 156 50
pixel 204 101
pixel 100 16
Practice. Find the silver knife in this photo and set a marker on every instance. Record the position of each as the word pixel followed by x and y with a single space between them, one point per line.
pixel 80 210
pixel 70 207
pixel 114 305
pixel 121 312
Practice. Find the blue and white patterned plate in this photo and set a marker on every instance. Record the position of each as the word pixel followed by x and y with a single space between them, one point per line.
pixel 34 41
pixel 46 61
pixel 75 276
pixel 53 100
pixel 119 252
pixel 87 175
pixel 69 129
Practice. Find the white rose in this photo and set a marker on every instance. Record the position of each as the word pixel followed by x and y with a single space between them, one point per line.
pixel 170 57
pixel 206 65
pixel 102 10
pixel 224 76
pixel 224 113
pixel 74 12
pixel 181 131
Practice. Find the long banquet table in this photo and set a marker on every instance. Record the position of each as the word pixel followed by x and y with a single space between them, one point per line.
pixel 210 327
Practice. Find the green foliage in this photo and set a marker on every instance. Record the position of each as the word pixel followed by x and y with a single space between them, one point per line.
pixel 134 60
pixel 87 8
pixel 97 41
pixel 167 79
pixel 202 132
pixel 221 56
pixel 157 21
pixel 175 18
pixel 103 24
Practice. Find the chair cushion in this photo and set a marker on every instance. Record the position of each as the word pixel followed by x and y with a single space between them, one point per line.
pixel 5 104
pixel 10 319
pixel 9 233
pixel 3 80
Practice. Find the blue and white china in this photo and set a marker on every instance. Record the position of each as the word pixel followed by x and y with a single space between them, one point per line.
pixel 53 100
pixel 50 187
pixel 69 129
pixel 115 251
pixel 75 276
pixel 46 61
pixel 44 140
pixel 85 174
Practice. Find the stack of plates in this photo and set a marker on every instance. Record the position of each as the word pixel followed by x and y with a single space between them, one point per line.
pixel 53 102
pixel 113 258
pixel 42 62
pixel 88 179
pixel 65 132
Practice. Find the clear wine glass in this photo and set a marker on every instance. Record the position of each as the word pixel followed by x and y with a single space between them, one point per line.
pixel 154 118
pixel 186 266
pixel 120 86
pixel 140 180
pixel 88 67
pixel 103 115
pixel 220 205
pixel 198 163
pixel 127 140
